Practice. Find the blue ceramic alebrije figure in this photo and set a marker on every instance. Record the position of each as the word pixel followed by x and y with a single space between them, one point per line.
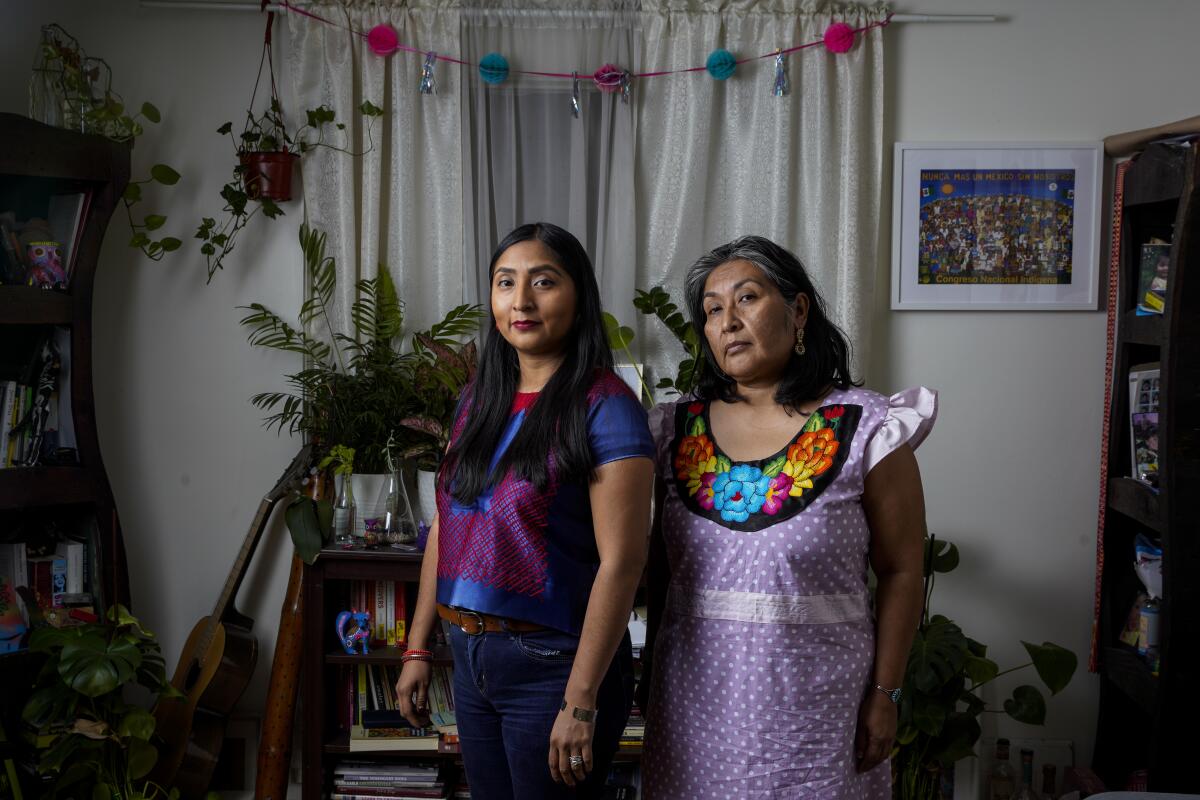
pixel 360 634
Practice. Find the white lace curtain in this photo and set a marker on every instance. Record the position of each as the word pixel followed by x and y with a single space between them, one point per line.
pixel 688 164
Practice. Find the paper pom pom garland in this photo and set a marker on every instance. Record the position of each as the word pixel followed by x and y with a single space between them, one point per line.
pixel 839 37
pixel 608 78
pixel 383 40
pixel 720 64
pixel 493 68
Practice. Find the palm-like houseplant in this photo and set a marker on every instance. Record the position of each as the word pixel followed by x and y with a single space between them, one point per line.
pixel 940 708
pixel 362 390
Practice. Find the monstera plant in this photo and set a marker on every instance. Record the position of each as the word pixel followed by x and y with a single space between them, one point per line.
pixel 99 744
pixel 940 709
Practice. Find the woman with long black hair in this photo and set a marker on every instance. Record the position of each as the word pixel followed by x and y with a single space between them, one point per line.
pixel 540 539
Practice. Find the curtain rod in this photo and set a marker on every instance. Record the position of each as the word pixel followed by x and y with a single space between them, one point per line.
pixel 200 5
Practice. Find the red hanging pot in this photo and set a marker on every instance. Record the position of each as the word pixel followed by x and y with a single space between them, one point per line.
pixel 268 175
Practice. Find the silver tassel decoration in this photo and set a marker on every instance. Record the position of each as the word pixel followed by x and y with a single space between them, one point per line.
pixel 575 95
pixel 426 86
pixel 625 87
pixel 782 89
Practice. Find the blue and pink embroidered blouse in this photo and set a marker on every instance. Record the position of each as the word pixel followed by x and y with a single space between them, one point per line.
pixel 532 556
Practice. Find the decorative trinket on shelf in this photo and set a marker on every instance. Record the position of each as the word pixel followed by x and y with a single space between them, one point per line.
pixel 361 633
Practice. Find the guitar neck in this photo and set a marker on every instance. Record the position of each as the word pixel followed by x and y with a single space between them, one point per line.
pixel 234 581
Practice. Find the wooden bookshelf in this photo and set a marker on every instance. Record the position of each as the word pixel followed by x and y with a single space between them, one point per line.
pixel 1142 715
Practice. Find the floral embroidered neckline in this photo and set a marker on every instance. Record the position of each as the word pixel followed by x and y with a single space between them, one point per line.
pixel 752 495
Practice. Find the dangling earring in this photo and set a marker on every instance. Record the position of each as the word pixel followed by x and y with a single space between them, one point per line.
pixel 799 348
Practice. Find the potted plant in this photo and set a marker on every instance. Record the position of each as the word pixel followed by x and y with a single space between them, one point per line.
pixel 72 90
pixel 940 706
pixel 99 743
pixel 358 390
pixel 264 154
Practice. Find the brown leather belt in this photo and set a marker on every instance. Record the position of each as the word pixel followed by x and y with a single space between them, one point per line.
pixel 473 623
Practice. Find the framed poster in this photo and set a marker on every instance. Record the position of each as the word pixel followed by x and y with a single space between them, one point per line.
pixel 996 226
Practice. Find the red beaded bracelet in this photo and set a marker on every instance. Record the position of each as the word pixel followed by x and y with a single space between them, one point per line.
pixel 416 655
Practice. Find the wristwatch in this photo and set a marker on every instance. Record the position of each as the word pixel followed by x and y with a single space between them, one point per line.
pixel 892 694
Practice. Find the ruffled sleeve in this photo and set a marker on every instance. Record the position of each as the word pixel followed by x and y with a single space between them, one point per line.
pixel 910 417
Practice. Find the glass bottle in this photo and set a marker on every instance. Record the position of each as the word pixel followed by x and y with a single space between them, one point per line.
pixel 343 515
pixel 1027 792
pixel 399 529
pixel 1002 784
pixel 1049 782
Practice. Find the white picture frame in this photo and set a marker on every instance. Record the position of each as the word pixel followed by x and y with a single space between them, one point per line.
pixel 631 374
pixel 996 226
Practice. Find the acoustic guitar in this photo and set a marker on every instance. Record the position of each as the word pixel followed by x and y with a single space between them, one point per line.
pixel 215 666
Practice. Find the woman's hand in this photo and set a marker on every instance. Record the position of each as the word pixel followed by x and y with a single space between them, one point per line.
pixel 570 737
pixel 877 718
pixel 412 690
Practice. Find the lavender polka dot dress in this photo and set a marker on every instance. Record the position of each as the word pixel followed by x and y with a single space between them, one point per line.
pixel 766 647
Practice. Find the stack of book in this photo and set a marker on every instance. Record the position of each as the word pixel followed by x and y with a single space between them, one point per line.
pixel 35 412
pixel 635 729
pixel 376 722
pixel 376 780
pixel 386 602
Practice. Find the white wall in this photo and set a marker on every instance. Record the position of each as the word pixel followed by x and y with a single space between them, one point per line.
pixel 1010 472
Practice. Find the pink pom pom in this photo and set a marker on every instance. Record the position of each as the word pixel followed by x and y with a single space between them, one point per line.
pixel 383 40
pixel 839 37
pixel 608 78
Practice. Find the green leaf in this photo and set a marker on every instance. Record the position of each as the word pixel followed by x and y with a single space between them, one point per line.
pixel 1026 705
pixel 980 670
pixel 138 723
pixel 226 128
pixel 619 336
pixel 775 467
pixel 369 109
pixel 154 221
pixel 151 113
pixel 102 791
pixel 948 560
pixel 139 240
pixel 305 527
pixel 957 739
pixel 664 383
pixel 1055 665
pixel 170 244
pixel 938 653
pixel 928 714
pixel 39 708
pixel 164 174
pixel 132 193
pixel 142 756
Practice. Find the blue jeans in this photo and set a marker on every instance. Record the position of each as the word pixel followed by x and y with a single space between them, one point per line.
pixel 507 691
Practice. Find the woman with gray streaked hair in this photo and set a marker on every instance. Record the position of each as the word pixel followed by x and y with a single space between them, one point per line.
pixel 770 673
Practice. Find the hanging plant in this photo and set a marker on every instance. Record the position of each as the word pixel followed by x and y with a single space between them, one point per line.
pixel 265 153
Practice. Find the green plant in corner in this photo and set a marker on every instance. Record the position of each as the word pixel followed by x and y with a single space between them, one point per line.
pixel 940 706
pixel 100 743
pixel 619 338
pixel 75 91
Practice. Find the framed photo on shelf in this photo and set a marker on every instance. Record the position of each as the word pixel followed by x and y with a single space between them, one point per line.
pixel 996 226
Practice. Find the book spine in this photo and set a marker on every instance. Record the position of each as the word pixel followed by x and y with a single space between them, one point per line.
pixel 58 576
pixel 379 617
pixel 389 616
pixel 401 618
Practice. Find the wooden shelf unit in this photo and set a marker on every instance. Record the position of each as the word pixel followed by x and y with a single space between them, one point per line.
pixel 1142 715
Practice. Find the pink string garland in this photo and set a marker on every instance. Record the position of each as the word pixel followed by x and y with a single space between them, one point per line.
pixel 383 40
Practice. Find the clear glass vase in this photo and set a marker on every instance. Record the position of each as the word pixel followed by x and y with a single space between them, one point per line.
pixel 399 526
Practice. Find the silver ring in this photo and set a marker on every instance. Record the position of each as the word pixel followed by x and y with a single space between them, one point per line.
pixel 575 761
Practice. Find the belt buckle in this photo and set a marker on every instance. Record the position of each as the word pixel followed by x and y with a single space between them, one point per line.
pixel 463 613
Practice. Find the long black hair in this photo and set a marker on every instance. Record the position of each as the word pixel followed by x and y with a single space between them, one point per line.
pixel 557 421
pixel 826 360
